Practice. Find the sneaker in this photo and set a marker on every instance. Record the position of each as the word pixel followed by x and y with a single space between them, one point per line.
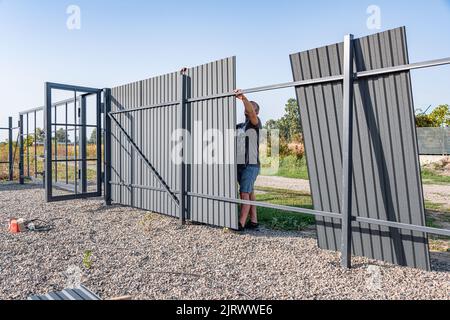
pixel 241 228
pixel 252 226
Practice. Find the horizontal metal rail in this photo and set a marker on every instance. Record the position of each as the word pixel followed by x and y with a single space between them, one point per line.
pixel 403 226
pixel 56 104
pixel 73 125
pixel 296 84
pixel 141 187
pixel 148 107
pixel 65 87
pixel 266 205
pixel 73 160
pixel 286 85
pixel 396 225
pixel 402 68
pixel 37 109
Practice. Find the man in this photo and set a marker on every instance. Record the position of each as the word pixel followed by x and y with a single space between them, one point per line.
pixel 248 160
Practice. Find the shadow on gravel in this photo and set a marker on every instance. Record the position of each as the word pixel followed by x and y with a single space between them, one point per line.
pixel 6 186
pixel 440 262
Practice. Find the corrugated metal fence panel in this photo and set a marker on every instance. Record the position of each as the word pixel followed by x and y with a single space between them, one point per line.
pixel 158 125
pixel 153 130
pixel 218 178
pixel 386 178
pixel 434 141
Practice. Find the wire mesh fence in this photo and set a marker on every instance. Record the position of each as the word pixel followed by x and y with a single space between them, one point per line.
pixel 434 141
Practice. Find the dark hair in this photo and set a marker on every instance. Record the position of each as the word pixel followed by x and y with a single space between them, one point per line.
pixel 256 106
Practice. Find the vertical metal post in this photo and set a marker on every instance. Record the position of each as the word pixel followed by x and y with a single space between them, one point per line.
pixel 99 136
pixel 83 146
pixel 182 126
pixel 56 143
pixel 10 149
pixel 66 143
pixel 28 145
pixel 107 146
pixel 35 147
pixel 347 161
pixel 48 142
pixel 21 150
pixel 76 142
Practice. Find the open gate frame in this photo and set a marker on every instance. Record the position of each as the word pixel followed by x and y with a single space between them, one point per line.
pixel 356 107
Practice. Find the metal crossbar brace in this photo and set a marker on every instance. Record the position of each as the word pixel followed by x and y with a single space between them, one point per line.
pixel 146 161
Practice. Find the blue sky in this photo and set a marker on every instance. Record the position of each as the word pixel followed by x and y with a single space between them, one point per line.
pixel 124 41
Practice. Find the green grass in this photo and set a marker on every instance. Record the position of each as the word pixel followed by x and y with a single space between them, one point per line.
pixel 280 220
pixel 431 177
pixel 433 222
pixel 435 206
pixel 87 259
pixel 285 221
pixel 291 167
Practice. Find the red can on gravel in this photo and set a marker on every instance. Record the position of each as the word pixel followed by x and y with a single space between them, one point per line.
pixel 14 226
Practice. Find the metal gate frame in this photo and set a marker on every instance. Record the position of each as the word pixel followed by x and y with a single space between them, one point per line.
pixel 48 124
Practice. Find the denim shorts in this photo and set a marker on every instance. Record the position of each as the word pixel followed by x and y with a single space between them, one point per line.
pixel 247 177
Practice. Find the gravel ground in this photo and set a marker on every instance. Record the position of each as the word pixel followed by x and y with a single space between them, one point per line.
pixel 434 193
pixel 149 256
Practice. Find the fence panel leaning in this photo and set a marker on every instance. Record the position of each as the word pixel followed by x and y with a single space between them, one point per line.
pixel 386 179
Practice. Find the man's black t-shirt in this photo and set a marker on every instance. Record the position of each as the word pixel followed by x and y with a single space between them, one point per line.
pixel 248 143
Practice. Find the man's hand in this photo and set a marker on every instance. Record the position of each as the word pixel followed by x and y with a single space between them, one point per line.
pixel 249 109
pixel 240 95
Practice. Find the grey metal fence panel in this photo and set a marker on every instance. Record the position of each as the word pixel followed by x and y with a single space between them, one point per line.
pixel 386 177
pixel 434 141
pixel 133 184
pixel 215 114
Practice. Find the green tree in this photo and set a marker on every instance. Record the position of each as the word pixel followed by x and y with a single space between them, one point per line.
pixel 424 121
pixel 93 138
pixel 60 136
pixel 40 135
pixel 440 115
pixel 289 125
